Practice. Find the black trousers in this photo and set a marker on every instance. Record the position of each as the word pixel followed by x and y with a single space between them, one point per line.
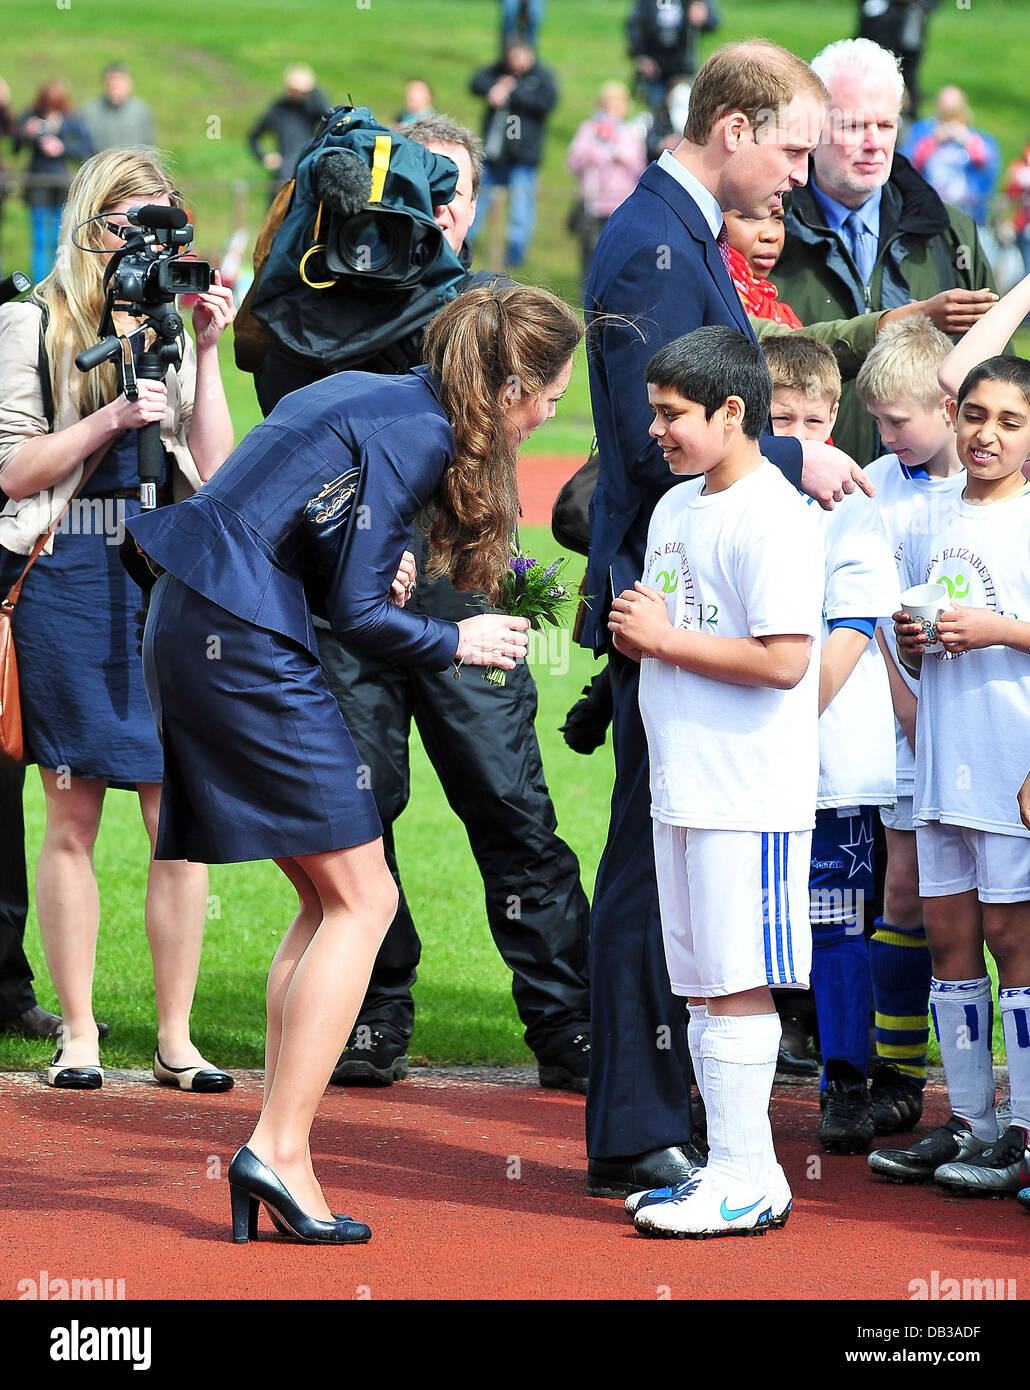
pixel 639 1096
pixel 482 744
pixel 16 994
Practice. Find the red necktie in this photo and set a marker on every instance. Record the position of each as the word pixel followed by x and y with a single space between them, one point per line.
pixel 723 243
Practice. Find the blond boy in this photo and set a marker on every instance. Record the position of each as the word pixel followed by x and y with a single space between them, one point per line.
pixel 856 773
pixel 918 482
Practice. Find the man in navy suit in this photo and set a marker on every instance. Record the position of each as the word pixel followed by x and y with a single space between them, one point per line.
pixel 756 112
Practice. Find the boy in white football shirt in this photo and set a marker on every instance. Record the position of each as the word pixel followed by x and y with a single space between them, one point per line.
pixel 918 481
pixel 723 626
pixel 856 747
pixel 972 747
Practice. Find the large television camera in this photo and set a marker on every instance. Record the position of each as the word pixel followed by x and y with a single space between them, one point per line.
pixel 350 259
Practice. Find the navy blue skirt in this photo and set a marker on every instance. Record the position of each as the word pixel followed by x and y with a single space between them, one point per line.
pixel 258 762
pixel 83 703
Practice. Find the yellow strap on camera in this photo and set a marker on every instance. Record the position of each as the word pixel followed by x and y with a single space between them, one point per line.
pixel 380 165
pixel 318 246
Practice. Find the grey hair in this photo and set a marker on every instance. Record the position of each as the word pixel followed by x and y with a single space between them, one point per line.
pixel 859 58
pixel 441 130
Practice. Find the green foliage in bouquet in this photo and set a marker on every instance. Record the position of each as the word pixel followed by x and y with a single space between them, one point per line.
pixel 530 591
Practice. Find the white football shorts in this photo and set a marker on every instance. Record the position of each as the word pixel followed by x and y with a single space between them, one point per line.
pixel 734 907
pixel 898 816
pixel 954 859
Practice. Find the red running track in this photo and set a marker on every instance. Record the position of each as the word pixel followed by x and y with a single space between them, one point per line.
pixel 540 481
pixel 473 1189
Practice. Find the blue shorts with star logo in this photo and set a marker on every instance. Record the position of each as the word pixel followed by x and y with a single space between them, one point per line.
pixel 841 873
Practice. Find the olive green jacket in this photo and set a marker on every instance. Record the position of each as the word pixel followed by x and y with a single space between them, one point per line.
pixel 925 246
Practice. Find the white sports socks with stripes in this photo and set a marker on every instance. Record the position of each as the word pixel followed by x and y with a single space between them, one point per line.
pixel 1015 1021
pixel 963 1012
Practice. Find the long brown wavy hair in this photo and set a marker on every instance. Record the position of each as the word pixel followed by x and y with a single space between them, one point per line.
pixel 493 340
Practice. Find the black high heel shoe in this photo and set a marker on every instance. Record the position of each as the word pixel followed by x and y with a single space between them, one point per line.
pixel 251 1182
pixel 281 1226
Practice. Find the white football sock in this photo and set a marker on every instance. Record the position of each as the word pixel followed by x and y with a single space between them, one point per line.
pixel 695 1032
pixel 739 1061
pixel 962 1014
pixel 1015 1020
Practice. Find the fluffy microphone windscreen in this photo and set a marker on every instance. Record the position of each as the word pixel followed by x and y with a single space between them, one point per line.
pixel 343 181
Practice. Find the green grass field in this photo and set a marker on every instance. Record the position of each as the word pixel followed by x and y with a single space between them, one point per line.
pixel 208 71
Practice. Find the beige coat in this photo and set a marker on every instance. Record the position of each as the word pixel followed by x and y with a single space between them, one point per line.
pixel 22 417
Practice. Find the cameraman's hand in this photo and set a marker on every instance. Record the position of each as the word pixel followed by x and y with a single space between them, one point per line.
pixel 492 639
pixel 212 314
pixel 151 406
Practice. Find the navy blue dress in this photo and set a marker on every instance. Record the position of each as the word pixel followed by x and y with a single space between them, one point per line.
pixel 258 760
pixel 84 704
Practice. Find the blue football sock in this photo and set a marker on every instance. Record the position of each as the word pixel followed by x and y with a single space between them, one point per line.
pixel 841 985
pixel 900 963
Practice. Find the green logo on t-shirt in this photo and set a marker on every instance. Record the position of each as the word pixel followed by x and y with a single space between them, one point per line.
pixel 668 581
pixel 957 587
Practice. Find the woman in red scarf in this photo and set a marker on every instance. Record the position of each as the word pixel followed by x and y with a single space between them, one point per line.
pixel 755 247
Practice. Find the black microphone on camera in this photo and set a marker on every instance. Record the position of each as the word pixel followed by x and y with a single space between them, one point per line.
pixel 14 285
pixel 158 217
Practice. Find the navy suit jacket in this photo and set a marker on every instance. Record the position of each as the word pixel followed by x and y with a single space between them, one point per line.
pixel 657 265
pixel 240 540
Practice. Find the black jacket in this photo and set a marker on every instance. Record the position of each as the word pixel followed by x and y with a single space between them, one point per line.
pixel 292 123
pixel 659 29
pixel 514 133
pixel 899 26
pixel 57 169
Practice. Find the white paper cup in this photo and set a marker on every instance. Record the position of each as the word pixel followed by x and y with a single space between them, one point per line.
pixel 926 603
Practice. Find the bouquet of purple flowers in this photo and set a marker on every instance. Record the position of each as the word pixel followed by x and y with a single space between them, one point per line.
pixel 529 591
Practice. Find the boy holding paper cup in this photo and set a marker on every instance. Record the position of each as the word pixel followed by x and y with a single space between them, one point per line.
pixel 972 748
pixel 918 480
pixel 856 775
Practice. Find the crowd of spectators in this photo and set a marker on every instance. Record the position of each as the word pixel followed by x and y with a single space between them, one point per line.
pixel 520 92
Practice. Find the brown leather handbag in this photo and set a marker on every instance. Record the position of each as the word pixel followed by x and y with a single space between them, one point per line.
pixel 12 745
